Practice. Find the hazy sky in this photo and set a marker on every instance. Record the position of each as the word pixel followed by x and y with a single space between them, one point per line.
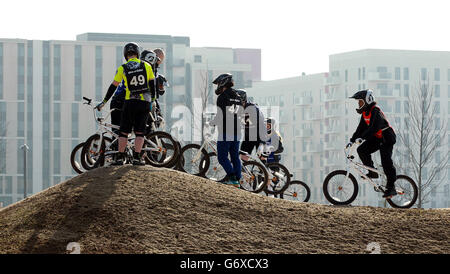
pixel 295 36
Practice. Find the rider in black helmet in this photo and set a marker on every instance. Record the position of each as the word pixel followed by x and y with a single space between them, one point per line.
pixel 379 135
pixel 227 120
pixel 254 128
pixel 139 82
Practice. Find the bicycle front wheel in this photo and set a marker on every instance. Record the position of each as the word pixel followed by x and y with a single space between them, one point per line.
pixel 75 157
pixel 254 177
pixel 296 191
pixel 160 149
pixel 340 187
pixel 215 171
pixel 280 178
pixel 407 192
pixel 193 160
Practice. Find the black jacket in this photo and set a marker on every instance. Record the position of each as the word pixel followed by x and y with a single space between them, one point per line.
pixel 228 107
pixel 378 122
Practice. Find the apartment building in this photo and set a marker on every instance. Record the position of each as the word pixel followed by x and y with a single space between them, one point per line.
pixel 41 88
pixel 392 74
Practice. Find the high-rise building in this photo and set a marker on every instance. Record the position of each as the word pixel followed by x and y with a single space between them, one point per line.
pixel 41 88
pixel 323 118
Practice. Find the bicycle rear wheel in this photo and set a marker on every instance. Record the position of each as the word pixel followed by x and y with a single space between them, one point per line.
pixel 280 178
pixel 91 152
pixel 193 160
pixel 296 191
pixel 254 177
pixel 340 189
pixel 407 192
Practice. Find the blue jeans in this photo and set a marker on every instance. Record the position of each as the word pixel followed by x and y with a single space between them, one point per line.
pixel 229 147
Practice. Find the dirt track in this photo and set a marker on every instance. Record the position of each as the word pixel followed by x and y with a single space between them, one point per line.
pixel 147 210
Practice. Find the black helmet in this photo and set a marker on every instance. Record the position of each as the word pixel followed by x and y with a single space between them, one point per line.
pixel 243 94
pixel 223 80
pixel 149 57
pixel 131 49
pixel 366 96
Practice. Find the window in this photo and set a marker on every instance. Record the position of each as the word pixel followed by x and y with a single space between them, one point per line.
pixel 398 106
pixel 56 156
pixel 364 73
pixel 20 71
pixel 405 73
pixel 57 72
pixel 406 107
pixel 437 91
pixel 437 74
pixel 20 119
pixel 406 90
pixel 57 120
pixel 119 56
pixel 98 73
pixel 1 70
pixel 397 73
pixel 197 58
pixel 359 73
pixel 77 79
pixel 437 107
pixel 423 74
pixel 75 125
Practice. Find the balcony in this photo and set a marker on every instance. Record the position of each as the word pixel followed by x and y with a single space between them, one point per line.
pixel 329 113
pixel 333 161
pixel 334 96
pixel 314 148
pixel 304 133
pixel 333 145
pixel 303 101
pixel 332 81
pixel 387 93
pixel 379 76
pixel 312 116
pixel 335 129
pixel 301 165
pixel 178 63
pixel 178 81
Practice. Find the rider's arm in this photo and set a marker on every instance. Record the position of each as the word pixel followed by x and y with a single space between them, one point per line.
pixel 375 124
pixel 112 88
pixel 359 130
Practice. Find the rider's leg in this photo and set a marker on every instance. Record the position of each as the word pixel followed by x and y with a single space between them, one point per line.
pixel 388 165
pixel 364 152
pixel 234 155
pixel 223 147
pixel 366 149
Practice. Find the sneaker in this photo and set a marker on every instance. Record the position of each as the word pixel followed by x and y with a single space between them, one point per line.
pixel 137 159
pixel 389 193
pixel 119 159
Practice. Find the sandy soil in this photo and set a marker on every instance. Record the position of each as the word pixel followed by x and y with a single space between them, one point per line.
pixel 148 210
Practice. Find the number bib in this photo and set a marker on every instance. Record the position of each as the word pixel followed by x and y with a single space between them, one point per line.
pixel 136 76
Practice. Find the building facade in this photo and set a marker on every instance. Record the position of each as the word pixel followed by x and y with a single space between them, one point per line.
pixel 41 88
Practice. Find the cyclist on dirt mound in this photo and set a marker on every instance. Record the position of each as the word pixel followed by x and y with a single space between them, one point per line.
pixel 254 128
pixel 274 141
pixel 379 135
pixel 138 78
pixel 227 120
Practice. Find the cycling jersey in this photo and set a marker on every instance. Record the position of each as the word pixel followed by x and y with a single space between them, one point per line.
pixel 136 74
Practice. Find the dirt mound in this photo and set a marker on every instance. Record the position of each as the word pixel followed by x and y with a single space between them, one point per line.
pixel 148 210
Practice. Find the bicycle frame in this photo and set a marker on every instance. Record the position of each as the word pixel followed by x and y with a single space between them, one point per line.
pixel 356 166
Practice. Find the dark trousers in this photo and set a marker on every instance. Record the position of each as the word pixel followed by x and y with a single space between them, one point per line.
pixel 233 167
pixel 372 145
